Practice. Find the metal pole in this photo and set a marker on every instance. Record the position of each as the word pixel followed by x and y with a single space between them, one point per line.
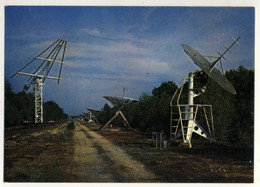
pixel 117 113
pixel 58 50
pixel 156 140
pixel 171 124
pixel 190 110
pixel 38 101
pixel 62 61
pixel 35 58
pixel 160 140
pixel 46 58
pixel 152 138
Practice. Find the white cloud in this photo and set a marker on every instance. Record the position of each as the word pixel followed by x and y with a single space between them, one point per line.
pixel 93 32
pixel 148 13
pixel 101 60
pixel 119 56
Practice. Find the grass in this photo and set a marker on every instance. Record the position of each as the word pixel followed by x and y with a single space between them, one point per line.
pixel 42 154
pixel 205 162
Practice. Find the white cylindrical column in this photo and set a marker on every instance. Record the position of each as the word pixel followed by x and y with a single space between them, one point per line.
pixel 190 109
pixel 191 87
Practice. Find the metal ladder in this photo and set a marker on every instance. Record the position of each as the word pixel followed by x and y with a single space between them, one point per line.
pixel 180 118
pixel 184 119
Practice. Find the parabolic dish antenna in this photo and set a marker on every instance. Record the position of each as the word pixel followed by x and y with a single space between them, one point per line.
pixel 209 68
pixel 94 111
pixel 190 118
pixel 92 115
pixel 120 103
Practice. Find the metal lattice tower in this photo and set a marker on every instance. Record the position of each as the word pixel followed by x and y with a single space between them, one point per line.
pixel 38 101
pixel 54 54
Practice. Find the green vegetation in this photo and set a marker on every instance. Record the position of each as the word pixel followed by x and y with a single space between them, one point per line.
pixel 53 112
pixel 19 107
pixel 71 125
pixel 233 114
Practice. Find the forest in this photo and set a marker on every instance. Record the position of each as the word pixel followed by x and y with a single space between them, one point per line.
pixel 19 108
pixel 233 114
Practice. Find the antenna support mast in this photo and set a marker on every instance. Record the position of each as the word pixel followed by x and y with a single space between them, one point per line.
pixel 197 118
pixel 38 99
pixel 120 103
pixel 185 117
pixel 38 77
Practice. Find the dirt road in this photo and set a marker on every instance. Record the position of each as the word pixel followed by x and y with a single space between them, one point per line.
pixel 98 160
pixel 53 154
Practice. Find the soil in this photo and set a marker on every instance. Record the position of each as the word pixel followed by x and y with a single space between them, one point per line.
pixel 56 153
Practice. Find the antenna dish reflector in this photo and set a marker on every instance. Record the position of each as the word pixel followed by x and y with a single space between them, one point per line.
pixel 120 101
pixel 206 66
pixel 94 111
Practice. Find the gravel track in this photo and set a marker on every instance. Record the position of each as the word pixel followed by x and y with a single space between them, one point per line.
pixel 99 160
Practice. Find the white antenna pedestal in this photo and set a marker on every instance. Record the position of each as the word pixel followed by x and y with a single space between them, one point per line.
pixel 198 118
pixel 185 117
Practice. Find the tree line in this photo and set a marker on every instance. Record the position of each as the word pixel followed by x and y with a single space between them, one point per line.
pixel 233 114
pixel 19 107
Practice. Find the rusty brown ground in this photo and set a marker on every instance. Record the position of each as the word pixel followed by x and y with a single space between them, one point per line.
pixel 44 154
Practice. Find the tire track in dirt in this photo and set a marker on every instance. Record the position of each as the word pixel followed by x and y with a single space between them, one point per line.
pixel 89 166
pixel 99 160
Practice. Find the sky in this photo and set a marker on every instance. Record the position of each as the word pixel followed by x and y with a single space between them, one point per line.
pixel 112 48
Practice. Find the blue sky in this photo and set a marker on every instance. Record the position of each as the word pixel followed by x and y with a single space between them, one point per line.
pixel 110 48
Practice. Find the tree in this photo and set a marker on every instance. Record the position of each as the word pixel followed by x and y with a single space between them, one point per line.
pixel 152 113
pixel 105 114
pixel 166 88
pixel 233 114
pixel 243 81
pixel 19 107
pixel 52 111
